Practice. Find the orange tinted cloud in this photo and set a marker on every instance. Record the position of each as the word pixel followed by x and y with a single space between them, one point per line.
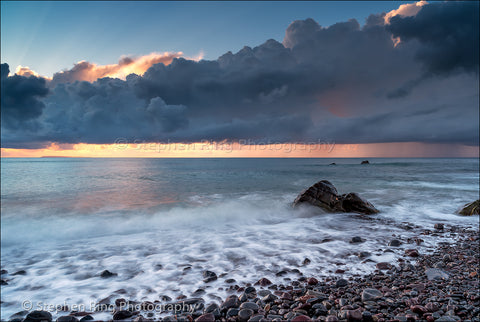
pixel 86 71
pixel 25 71
pixel 405 10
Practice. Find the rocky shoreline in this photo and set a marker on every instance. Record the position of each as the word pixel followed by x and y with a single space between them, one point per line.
pixel 438 286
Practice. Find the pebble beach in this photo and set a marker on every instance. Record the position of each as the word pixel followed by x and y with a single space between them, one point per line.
pixel 441 285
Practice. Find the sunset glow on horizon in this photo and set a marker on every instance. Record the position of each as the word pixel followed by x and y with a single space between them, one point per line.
pixel 237 150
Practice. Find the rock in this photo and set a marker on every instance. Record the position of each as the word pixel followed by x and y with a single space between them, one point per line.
pixel 418 309
pixel 312 281
pixel 470 209
pixel 38 316
pixel 67 318
pixel 87 318
pixel 256 318
pixel 3 282
pixel 18 315
pixel 435 273
pixel 301 318
pixel 354 315
pixel 3 271
pixel 412 252
pixel 198 292
pixel 165 298
pixel 107 274
pixel 356 239
pixel 365 162
pixel 341 283
pixel 331 318
pixel 20 272
pixel 250 305
pixel 211 307
pixel 230 302
pixel 306 261
pixel 438 226
pixel 207 317
pixel 394 243
pixel 432 307
pixel 364 254
pixel 269 298
pixel 243 297
pixel 263 282
pixel 446 319
pixel 323 194
pixel 371 294
pixel 383 266
pixel 367 316
pixel 209 276
pixel 230 281
pixel 263 292
pixel 352 202
pixel 121 315
pixel 232 312
pixel 333 163
pixel 245 314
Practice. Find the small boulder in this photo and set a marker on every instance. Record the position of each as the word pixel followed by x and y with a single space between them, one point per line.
pixel 107 274
pixel 37 316
pixel 263 282
pixel 324 195
pixel 209 276
pixel 230 302
pixel 371 294
pixel 395 243
pixel 301 318
pixel 312 281
pixel 412 252
pixel 352 202
pixel 20 272
pixel 356 240
pixel 354 315
pixel 383 266
pixel 341 283
pixel 121 315
pixel 365 162
pixel 472 208
pixel 207 317
pixel 435 273
pixel 244 314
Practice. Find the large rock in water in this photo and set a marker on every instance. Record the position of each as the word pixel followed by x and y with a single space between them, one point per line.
pixel 470 209
pixel 323 194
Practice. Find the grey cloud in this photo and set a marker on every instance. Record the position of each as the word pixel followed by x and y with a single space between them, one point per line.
pixel 21 102
pixel 333 83
pixel 448 33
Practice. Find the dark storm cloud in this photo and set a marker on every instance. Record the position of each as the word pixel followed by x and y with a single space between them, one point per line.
pixel 334 83
pixel 21 100
pixel 448 33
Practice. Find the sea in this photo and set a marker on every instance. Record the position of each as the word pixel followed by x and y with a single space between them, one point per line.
pixel 160 223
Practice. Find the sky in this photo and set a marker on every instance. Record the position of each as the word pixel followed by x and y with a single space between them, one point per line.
pixel 368 78
pixel 49 36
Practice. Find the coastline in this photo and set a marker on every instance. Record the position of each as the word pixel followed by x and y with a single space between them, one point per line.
pixel 438 286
